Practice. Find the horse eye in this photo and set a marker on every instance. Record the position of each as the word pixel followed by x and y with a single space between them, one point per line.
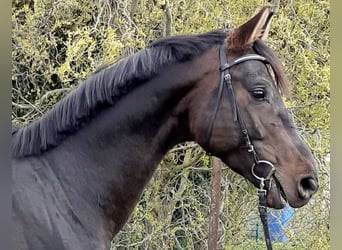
pixel 258 94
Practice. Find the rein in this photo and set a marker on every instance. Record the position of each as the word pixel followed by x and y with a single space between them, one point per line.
pixel 226 81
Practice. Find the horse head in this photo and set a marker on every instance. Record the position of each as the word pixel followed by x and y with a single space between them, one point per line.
pixel 237 113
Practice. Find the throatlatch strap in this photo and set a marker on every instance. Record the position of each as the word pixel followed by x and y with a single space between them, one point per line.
pixel 213 116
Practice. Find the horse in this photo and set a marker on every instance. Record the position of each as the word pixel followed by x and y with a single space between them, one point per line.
pixel 80 169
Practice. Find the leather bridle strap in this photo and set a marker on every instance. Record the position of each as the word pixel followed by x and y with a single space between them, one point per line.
pixel 263 216
pixel 226 80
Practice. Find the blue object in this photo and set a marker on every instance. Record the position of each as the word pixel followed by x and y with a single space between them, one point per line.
pixel 277 219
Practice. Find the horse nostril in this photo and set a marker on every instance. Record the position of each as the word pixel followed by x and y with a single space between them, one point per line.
pixel 308 186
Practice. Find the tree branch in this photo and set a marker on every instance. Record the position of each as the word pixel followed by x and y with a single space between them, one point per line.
pixel 168 19
pixel 134 5
pixel 275 6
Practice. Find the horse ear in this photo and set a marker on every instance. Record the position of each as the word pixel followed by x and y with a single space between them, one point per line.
pixel 256 28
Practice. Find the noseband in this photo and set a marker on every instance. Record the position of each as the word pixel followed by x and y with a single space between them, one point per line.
pixel 226 81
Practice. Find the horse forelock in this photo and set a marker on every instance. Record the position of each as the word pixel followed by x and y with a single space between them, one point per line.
pixel 282 82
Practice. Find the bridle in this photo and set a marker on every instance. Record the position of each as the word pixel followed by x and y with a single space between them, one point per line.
pixel 226 81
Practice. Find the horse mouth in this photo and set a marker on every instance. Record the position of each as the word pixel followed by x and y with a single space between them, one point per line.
pixel 276 197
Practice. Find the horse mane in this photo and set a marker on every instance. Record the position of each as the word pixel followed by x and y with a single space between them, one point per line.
pixel 105 87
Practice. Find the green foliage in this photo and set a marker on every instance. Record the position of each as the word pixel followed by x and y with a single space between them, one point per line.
pixel 56 44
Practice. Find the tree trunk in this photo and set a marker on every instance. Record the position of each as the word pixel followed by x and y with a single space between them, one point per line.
pixel 215 204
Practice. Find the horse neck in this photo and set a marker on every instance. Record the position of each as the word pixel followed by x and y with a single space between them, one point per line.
pixel 119 150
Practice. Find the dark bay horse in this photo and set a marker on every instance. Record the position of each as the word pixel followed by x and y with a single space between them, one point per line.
pixel 79 170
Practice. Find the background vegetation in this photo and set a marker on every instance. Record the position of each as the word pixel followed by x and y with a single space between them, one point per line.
pixel 58 43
